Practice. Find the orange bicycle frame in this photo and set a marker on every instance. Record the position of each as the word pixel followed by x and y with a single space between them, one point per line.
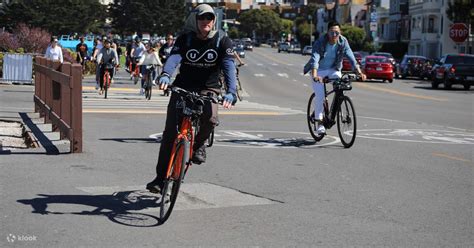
pixel 183 134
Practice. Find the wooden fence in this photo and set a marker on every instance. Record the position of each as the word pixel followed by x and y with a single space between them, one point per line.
pixel 58 98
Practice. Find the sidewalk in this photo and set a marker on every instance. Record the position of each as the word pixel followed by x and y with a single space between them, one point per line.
pixel 19 122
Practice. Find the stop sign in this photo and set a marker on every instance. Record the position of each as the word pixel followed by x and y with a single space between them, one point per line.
pixel 458 32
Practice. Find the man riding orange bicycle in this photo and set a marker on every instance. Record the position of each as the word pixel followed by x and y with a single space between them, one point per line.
pixel 202 52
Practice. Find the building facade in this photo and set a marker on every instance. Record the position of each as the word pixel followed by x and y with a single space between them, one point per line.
pixel 430 27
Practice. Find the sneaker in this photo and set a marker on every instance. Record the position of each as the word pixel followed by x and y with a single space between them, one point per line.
pixel 127 70
pixel 155 186
pixel 140 75
pixel 142 91
pixel 321 130
pixel 96 86
pixel 153 82
pixel 199 155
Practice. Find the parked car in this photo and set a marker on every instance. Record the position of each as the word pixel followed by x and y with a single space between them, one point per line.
pixel 307 50
pixel 240 51
pixel 295 48
pixel 387 55
pixel 248 45
pixel 346 64
pixel 284 46
pixel 377 67
pixel 411 66
pixel 359 56
pixel 454 69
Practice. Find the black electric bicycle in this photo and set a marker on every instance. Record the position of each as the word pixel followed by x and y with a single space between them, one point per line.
pixel 341 111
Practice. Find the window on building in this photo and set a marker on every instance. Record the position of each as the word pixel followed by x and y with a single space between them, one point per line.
pixel 431 25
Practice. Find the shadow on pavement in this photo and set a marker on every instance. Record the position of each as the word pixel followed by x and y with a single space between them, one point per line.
pixel 119 207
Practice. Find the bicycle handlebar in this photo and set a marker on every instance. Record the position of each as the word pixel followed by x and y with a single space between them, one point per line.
pixel 196 97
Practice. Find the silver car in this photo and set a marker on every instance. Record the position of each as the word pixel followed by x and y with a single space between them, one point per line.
pixel 306 50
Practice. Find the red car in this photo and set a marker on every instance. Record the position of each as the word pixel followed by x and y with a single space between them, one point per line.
pixel 377 67
pixel 346 64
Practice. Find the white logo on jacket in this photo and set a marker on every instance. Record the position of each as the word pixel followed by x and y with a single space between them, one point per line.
pixel 209 55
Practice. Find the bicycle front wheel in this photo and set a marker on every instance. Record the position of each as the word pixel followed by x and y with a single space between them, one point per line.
pixel 106 85
pixel 312 124
pixel 170 190
pixel 210 139
pixel 148 88
pixel 239 90
pixel 346 122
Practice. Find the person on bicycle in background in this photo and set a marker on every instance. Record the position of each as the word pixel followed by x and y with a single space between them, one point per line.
pixel 95 51
pixel 107 60
pixel 150 57
pixel 138 49
pixel 128 56
pixel 81 52
pixel 165 50
pixel 202 51
pixel 326 61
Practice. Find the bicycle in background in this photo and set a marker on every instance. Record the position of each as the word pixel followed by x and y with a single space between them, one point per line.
pixel 341 111
pixel 239 86
pixel 148 85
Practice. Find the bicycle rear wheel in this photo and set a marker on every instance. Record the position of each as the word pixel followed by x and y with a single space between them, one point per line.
pixel 312 124
pixel 170 190
pixel 346 122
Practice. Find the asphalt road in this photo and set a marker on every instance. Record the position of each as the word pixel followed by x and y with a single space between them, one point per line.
pixel 406 182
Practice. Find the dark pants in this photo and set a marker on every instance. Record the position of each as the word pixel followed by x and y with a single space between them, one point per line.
pixel 207 123
pixel 102 72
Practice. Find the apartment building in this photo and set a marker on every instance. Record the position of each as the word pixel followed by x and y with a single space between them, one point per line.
pixel 430 29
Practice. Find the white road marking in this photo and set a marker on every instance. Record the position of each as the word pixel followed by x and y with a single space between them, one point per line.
pixel 285 75
pixel 259 75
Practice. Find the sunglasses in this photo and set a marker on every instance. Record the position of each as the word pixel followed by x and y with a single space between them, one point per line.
pixel 334 33
pixel 208 17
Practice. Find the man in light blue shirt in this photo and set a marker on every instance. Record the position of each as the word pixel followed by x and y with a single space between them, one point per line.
pixel 326 61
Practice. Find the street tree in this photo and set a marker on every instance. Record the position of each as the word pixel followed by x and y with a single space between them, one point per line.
pixel 263 22
pixel 57 17
pixel 286 26
pixel 147 16
pixel 355 36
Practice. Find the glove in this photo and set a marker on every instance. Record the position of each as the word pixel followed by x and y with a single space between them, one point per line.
pixel 164 80
pixel 229 97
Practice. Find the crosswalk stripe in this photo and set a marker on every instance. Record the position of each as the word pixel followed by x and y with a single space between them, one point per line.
pixel 121 101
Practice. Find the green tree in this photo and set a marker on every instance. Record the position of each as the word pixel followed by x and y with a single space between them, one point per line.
pixel 355 36
pixel 151 16
pixel 286 26
pixel 264 22
pixel 233 33
pixel 304 34
pixel 460 11
pixel 58 17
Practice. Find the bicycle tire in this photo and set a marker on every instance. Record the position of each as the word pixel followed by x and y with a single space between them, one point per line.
pixel 106 84
pixel 210 140
pixel 239 90
pixel 171 185
pixel 148 87
pixel 311 123
pixel 346 116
